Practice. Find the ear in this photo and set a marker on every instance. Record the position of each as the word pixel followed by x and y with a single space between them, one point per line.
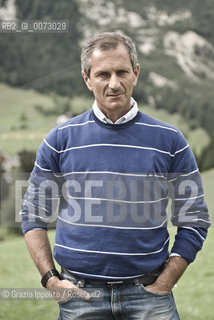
pixel 136 73
pixel 87 80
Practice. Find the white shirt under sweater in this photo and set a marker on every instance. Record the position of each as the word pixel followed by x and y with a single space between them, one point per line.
pixel 125 118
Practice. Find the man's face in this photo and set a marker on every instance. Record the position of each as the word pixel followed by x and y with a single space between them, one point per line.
pixel 112 80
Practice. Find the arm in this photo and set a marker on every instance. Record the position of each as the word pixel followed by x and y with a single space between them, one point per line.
pixel 170 275
pixel 39 248
pixel 189 214
pixel 40 205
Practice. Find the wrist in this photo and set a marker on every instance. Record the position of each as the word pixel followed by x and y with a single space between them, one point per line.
pixel 53 273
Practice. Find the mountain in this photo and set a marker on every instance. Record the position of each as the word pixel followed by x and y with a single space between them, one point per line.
pixel 175 42
pixel 176 51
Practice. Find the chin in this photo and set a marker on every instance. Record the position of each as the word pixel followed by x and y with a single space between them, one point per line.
pixel 117 105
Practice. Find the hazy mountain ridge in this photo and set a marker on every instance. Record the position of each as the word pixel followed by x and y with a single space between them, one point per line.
pixel 155 30
pixel 193 53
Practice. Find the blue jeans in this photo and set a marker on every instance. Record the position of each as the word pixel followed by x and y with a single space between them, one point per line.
pixel 125 301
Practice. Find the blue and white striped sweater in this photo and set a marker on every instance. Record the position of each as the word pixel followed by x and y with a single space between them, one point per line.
pixel 114 182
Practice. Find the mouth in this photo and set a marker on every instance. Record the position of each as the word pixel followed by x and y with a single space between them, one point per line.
pixel 115 95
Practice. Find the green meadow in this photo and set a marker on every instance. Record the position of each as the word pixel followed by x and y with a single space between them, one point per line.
pixel 23 127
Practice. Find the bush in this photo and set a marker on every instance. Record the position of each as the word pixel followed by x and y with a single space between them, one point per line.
pixel 27 159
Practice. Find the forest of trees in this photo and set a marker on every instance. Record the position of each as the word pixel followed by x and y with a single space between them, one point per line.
pixel 49 62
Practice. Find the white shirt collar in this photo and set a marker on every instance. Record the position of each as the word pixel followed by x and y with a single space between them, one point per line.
pixel 125 118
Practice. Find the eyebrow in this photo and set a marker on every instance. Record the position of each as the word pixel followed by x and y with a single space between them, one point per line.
pixel 105 71
pixel 99 72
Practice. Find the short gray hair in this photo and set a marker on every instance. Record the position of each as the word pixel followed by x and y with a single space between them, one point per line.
pixel 105 41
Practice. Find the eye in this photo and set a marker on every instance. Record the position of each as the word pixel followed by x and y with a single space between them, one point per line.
pixel 103 74
pixel 122 72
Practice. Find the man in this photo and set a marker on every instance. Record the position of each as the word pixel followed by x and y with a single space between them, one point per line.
pixel 114 169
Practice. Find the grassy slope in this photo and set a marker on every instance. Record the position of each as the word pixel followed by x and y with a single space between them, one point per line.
pixel 13 104
pixel 16 102
pixel 18 271
pixel 195 289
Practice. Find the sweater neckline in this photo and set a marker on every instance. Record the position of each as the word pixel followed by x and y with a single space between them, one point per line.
pixel 115 126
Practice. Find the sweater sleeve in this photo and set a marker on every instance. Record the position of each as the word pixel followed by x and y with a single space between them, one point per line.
pixel 189 211
pixel 43 192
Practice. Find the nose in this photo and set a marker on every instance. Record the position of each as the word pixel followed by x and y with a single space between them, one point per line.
pixel 114 82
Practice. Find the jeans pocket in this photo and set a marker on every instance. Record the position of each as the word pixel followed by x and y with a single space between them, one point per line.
pixel 154 294
pixel 64 302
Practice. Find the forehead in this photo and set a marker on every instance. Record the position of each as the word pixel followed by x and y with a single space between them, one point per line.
pixel 118 56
